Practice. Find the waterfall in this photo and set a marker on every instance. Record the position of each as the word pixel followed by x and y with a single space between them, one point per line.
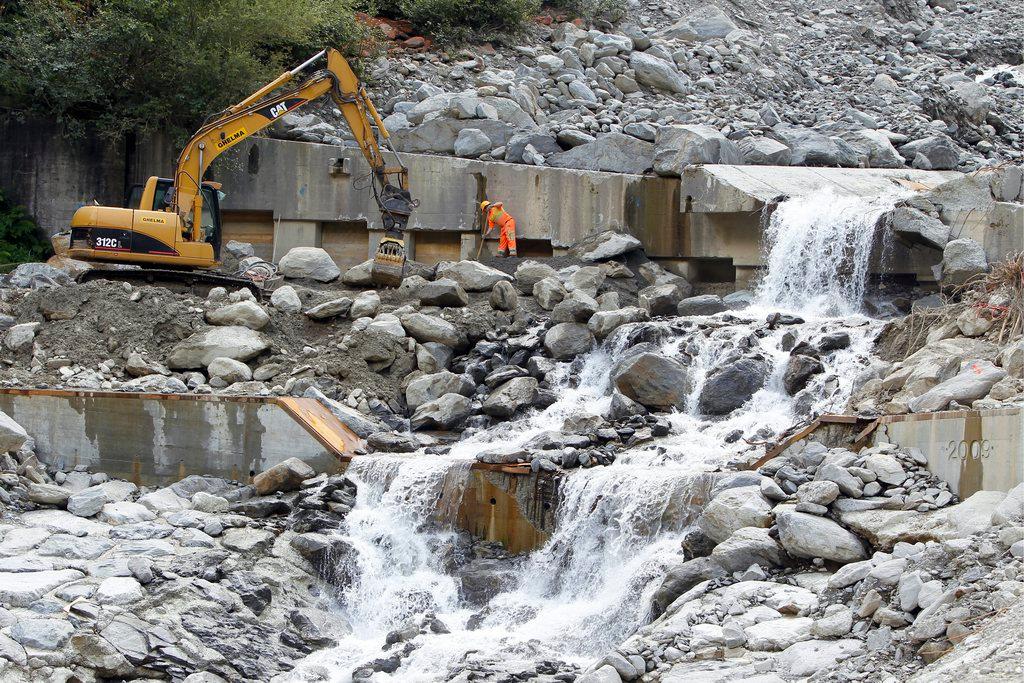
pixel 618 527
pixel 818 250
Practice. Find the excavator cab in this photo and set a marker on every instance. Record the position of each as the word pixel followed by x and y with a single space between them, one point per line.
pixel 159 197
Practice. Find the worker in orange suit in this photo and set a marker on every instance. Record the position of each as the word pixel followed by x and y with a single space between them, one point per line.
pixel 496 216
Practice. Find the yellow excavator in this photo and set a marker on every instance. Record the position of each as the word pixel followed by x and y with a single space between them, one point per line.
pixel 172 226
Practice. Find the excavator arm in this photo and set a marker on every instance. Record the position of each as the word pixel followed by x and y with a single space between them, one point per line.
pixel 260 109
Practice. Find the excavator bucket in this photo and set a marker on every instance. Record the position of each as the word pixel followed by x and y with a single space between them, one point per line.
pixel 389 263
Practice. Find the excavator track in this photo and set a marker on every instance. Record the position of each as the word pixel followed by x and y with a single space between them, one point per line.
pixel 198 283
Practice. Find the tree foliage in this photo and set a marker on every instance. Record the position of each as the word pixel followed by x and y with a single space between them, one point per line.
pixel 144 65
pixel 20 238
pixel 459 21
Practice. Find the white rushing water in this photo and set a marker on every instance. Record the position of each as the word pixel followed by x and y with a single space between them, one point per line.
pixel 618 527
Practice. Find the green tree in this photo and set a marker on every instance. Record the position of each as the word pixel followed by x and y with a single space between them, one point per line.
pixel 458 21
pixel 144 65
pixel 20 238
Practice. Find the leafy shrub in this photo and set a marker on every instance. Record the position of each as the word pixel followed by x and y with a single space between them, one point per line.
pixel 20 238
pixel 145 65
pixel 458 21
pixel 592 10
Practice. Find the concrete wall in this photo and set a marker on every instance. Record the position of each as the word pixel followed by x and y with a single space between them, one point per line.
pixel 972 450
pixel 158 440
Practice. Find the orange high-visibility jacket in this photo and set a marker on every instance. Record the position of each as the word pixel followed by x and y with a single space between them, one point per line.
pixel 497 217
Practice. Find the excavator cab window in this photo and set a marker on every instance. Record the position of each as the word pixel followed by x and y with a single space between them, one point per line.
pixel 211 228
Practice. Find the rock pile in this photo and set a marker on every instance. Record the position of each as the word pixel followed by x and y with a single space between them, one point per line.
pixel 883 85
pixel 790 592
pixel 203 580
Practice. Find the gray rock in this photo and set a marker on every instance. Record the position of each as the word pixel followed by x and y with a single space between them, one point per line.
pixel 604 245
pixel 663 300
pixel 932 153
pixel 48 494
pixel 88 502
pixel 447 412
pixel 762 151
pixel 603 323
pixel 21 589
pixel 705 23
pixel 544 144
pixel 438 135
pixel 426 328
pixel 974 381
pixel 42 634
pixel 286 299
pixel 809 147
pixel 917 227
pixel 652 380
pixel 12 435
pixel 21 337
pixel 287 475
pixel 529 273
pixel 612 152
pixel 658 73
pixel 565 341
pixel 38 275
pixel 735 509
pixel 729 387
pixel 514 394
pixel 677 147
pixel 201 348
pixel 818 492
pixel 431 387
pixel 1011 509
pixel 228 371
pixel 473 276
pixel 330 309
pixel 799 371
pixel 705 304
pixel 810 536
pixel 241 313
pixel 471 143
pixel 875 146
pixel 308 262
pixel 444 292
pixel 962 259
pixel 746 547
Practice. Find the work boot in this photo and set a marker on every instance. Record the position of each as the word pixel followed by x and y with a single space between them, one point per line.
pixel 502 253
pixel 512 254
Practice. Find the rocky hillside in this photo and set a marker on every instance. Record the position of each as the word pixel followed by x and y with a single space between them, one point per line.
pixel 891 84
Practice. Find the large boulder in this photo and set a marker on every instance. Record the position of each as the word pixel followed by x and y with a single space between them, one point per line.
pixel 705 304
pixel 549 292
pixel 885 528
pixel 426 388
pixel 12 435
pixel 658 73
pixel 935 153
pixel 809 147
pixel 652 380
pixel 603 323
pixel 734 509
pixel 729 387
pixel 503 296
pixel 917 227
pixel 286 299
pixel 359 423
pixel 309 262
pixel 245 313
pixel 284 476
pixel 443 292
pixel 762 151
pixel 473 276
pixel 706 22
pixel 799 371
pixel 529 273
pixel 875 146
pixel 612 152
pixel 810 536
pixel 748 546
pixel 604 245
pixel 543 143
pixel 36 275
pixel 662 300
pixel 201 348
pixel 447 412
pixel 681 578
pixel 676 147
pixel 438 135
pixel 565 341
pixel 1011 509
pixel 974 381
pixel 471 143
pixel 962 259
pixel 514 394
pixel 428 328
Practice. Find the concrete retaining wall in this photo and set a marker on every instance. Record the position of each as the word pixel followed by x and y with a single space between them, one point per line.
pixel 972 450
pixel 158 440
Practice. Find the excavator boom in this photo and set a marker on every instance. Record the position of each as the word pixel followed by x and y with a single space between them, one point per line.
pixel 177 236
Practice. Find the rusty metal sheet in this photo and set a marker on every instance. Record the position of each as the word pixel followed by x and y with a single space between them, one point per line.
pixel 323 426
